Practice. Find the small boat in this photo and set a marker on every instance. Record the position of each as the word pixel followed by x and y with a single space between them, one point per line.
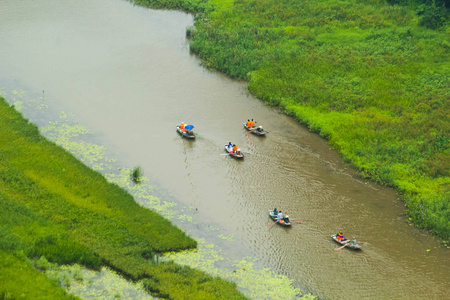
pixel 255 130
pixel 275 218
pixel 347 243
pixel 185 134
pixel 240 155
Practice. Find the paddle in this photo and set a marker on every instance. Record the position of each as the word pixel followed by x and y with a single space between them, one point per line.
pixel 298 220
pixel 343 246
pixel 198 134
pixel 274 222
pixel 340 248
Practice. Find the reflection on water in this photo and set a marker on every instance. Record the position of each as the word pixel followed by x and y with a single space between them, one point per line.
pixel 126 74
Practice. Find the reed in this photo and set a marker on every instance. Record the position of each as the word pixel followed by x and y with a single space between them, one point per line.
pixel 137 174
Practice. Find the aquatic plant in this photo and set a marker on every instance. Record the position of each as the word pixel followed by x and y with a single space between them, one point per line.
pixel 137 174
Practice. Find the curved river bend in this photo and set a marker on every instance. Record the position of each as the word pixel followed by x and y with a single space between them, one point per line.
pixel 126 73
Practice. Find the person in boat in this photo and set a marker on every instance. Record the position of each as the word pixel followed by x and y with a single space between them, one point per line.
pixel 259 129
pixel 235 148
pixel 286 219
pixel 280 216
pixel 252 123
pixel 230 147
pixel 182 125
pixel 248 123
pixel 354 241
pixel 238 151
pixel 275 212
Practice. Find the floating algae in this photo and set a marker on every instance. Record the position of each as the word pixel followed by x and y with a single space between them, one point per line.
pixel 255 283
pixel 103 284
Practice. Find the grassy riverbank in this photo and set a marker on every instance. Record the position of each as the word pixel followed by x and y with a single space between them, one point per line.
pixel 372 77
pixel 53 206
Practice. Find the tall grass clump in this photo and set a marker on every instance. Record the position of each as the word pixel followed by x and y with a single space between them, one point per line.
pixel 55 209
pixel 137 174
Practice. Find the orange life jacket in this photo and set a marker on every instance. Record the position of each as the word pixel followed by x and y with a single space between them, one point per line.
pixel 181 126
pixel 252 123
pixel 235 148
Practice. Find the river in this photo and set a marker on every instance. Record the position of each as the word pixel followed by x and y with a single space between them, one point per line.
pixel 126 73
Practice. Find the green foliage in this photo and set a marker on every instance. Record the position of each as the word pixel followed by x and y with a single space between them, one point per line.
pixel 136 174
pixel 21 281
pixel 433 14
pixel 62 250
pixel 202 286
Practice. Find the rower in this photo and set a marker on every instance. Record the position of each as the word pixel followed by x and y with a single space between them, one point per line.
pixel 229 147
pixel 280 215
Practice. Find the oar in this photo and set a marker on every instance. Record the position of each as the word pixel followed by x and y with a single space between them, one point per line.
pixel 298 220
pixel 342 246
pixel 198 134
pixel 274 222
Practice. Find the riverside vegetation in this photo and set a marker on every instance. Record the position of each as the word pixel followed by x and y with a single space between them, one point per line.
pixel 54 208
pixel 372 77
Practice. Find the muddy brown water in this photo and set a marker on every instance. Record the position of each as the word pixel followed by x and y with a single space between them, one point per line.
pixel 126 73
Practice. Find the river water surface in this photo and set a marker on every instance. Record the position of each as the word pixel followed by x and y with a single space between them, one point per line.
pixel 126 73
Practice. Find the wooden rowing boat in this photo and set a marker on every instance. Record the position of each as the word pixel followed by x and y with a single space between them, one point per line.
pixel 275 218
pixel 185 134
pixel 235 155
pixel 347 243
pixel 255 130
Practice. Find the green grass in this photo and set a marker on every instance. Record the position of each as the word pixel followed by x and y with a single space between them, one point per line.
pixel 20 280
pixel 372 77
pixel 53 206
